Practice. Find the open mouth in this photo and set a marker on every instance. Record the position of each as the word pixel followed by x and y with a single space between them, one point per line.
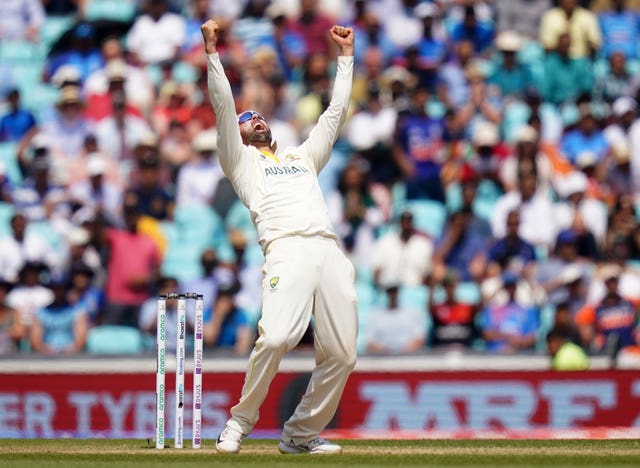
pixel 259 127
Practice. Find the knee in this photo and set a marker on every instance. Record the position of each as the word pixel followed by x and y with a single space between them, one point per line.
pixel 275 343
pixel 346 360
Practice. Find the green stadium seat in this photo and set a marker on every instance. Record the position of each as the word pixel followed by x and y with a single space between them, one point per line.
pixel 114 339
pixel 468 292
pixel 239 218
pixel 116 10
pixel 21 52
pixel 53 28
pixel 199 224
pixel 6 212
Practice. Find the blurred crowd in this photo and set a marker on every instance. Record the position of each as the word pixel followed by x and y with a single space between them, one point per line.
pixel 485 185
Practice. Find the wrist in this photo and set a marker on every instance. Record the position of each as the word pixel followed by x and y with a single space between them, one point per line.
pixel 210 48
pixel 346 51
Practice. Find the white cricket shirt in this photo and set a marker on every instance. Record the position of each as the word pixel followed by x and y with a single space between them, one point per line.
pixel 281 191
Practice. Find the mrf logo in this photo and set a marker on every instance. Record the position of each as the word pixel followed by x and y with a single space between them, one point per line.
pixel 273 282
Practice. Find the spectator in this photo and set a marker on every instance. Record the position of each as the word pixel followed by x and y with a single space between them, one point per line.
pixel 586 137
pixel 453 320
pixel 609 325
pixel 118 132
pixel 248 275
pixel 453 88
pixel 21 19
pixel 533 206
pixel 83 253
pixel 431 50
pixel 418 148
pixel 100 195
pixel 157 35
pixel 253 28
pixel 103 105
pixel 522 16
pixel 623 116
pixel 511 327
pixel 354 213
pixel 198 179
pixel 460 249
pixel 23 246
pixel 563 323
pixel 312 25
pixel 566 77
pixel 581 24
pixel 566 355
pixel 289 44
pixel 151 195
pixel 227 325
pixel 84 294
pixel 529 155
pixel 485 157
pixel 620 30
pixel 83 55
pixel 11 328
pixel 619 178
pixel 213 274
pixel 510 77
pixel 511 249
pixel 473 29
pixel 404 254
pixel 61 327
pixel 616 82
pixel 66 133
pixel 396 329
pixel 129 277
pixel 17 122
pixel 149 313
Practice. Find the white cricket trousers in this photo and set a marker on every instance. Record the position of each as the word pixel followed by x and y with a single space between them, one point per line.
pixel 303 276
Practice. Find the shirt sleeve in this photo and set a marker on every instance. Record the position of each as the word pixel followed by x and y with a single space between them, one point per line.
pixel 229 139
pixel 325 133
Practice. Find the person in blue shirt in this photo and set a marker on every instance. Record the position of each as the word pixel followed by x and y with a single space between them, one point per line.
pixel 84 54
pixel 418 148
pixel 227 325
pixel 510 327
pixel 620 30
pixel 471 28
pixel 511 247
pixel 16 122
pixel 586 137
pixel 61 327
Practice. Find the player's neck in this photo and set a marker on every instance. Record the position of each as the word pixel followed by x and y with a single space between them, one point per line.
pixel 264 148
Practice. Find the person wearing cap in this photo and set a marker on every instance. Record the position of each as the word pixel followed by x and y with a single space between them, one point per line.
pixel 587 136
pixel 226 324
pixel 619 177
pixel 624 113
pixel 17 121
pixel 98 193
pixel 156 35
pixel 510 327
pixel 198 178
pixel 609 324
pixel 281 190
pixel 68 129
pixel 431 48
pixel 83 53
pixel 513 79
pixel 395 328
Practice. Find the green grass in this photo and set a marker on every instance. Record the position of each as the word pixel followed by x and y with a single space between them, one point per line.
pixel 357 453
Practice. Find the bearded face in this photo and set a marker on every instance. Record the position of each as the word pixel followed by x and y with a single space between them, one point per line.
pixel 254 129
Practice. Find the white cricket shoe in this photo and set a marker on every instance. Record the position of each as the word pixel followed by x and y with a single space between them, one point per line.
pixel 316 445
pixel 229 440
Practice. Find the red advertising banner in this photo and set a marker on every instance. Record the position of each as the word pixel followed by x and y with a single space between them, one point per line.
pixel 123 405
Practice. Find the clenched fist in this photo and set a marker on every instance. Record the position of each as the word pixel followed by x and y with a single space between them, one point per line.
pixel 343 37
pixel 210 35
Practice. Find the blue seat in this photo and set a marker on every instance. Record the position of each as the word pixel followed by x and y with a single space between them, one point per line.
pixel 114 339
pixel 6 212
pixel 10 159
pixel 428 215
pixel 239 218
pixel 117 10
pixel 468 292
pixel 198 224
pixel 20 52
pixel 53 27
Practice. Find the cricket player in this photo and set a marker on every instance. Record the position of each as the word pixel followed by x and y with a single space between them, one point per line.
pixel 305 272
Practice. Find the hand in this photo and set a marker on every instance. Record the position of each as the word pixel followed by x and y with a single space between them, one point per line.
pixel 343 37
pixel 210 35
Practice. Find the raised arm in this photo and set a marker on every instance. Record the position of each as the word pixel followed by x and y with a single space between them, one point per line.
pixel 229 139
pixel 323 136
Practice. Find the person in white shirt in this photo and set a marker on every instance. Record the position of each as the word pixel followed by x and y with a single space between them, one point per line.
pixel 198 180
pixel 306 273
pixel 405 254
pixel 157 35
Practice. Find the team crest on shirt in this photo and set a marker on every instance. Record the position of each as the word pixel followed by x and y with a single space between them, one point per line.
pixel 273 281
pixel 291 158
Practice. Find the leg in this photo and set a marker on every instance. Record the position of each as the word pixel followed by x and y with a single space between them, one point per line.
pixel 286 313
pixel 336 327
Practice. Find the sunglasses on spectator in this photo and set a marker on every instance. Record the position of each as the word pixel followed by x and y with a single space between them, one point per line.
pixel 248 115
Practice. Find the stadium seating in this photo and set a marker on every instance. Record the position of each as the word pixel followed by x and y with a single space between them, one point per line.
pixel 9 158
pixel 114 339
pixel 428 216
pixel 116 10
pixel 6 212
